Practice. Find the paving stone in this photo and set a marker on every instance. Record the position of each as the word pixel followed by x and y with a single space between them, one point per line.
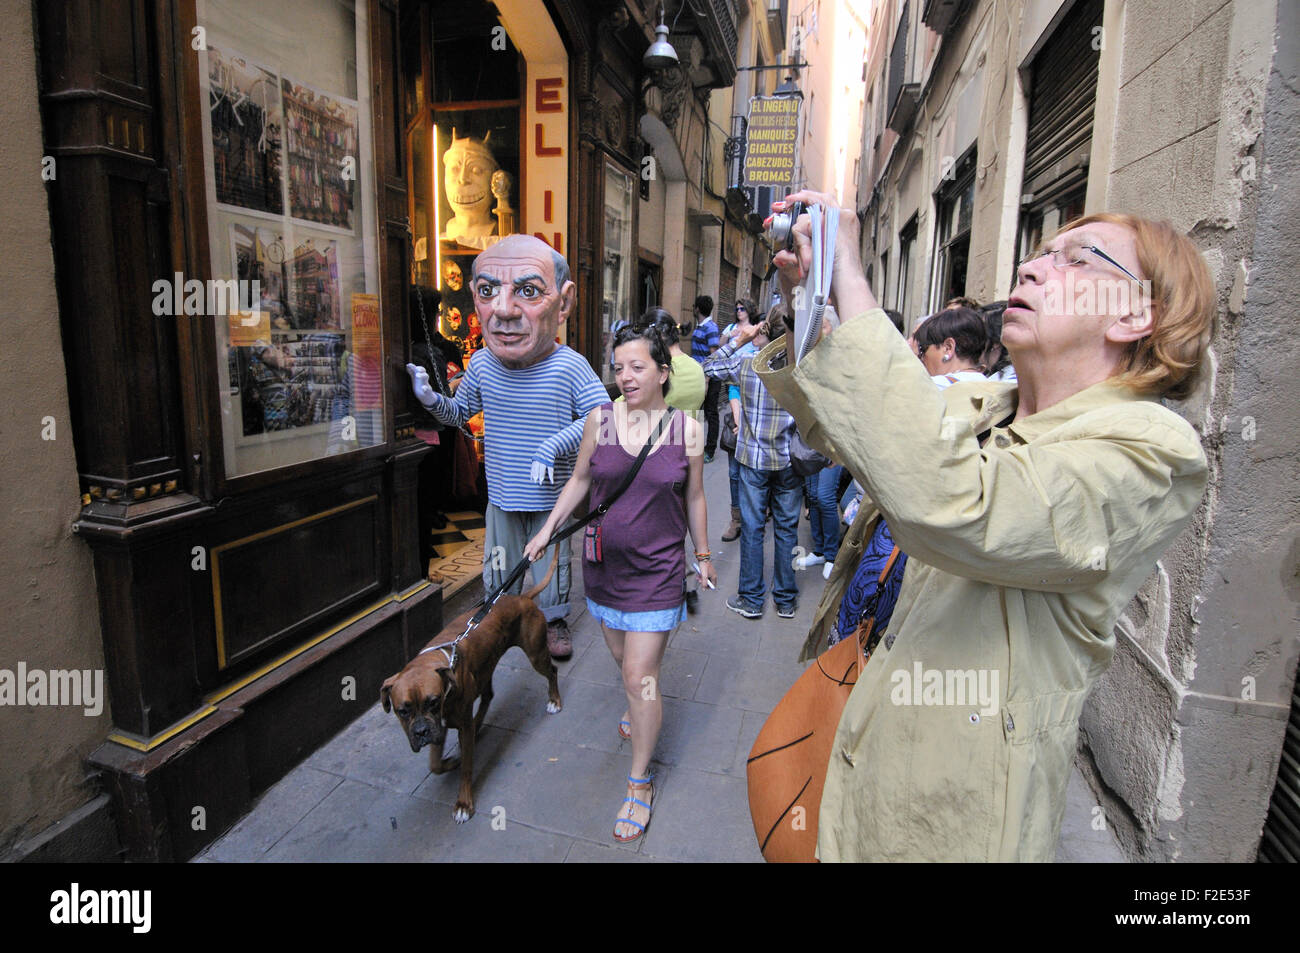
pixel 781 643
pixel 681 671
pixel 698 735
pixel 275 813
pixel 702 817
pixel 738 640
pixel 582 852
pixel 357 822
pixel 576 791
pixel 519 699
pixel 749 684
pixel 373 749
pixel 589 719
pixel 679 674
pixel 750 726
pixel 596 666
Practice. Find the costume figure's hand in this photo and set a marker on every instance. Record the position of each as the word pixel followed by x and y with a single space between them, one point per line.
pixel 420 384
pixel 542 474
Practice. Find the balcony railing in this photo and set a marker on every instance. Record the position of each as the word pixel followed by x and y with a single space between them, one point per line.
pixel 904 97
pixel 941 15
pixel 897 61
pixel 723 45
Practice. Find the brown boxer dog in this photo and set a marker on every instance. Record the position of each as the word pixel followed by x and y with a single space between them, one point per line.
pixel 430 696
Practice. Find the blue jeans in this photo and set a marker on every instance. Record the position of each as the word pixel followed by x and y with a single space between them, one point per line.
pixel 785 490
pixel 733 474
pixel 826 513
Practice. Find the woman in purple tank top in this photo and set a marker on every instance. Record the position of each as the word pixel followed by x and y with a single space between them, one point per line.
pixel 633 571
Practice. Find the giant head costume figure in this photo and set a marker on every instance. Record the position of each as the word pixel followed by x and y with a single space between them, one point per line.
pixel 522 294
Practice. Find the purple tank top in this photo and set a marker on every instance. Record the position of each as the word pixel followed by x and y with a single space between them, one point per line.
pixel 643 566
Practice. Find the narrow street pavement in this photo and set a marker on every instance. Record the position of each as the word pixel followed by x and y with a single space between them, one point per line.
pixel 547 787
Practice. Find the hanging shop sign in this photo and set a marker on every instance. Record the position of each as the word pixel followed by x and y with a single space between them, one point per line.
pixel 770 141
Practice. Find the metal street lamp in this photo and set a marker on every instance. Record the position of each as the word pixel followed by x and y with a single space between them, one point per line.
pixel 660 54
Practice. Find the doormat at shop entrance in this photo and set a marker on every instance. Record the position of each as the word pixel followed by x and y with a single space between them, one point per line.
pixel 459 546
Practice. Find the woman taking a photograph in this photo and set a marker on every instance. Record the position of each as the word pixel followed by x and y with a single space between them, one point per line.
pixel 1031 516
pixel 633 574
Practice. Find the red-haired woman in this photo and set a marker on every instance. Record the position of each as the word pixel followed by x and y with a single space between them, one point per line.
pixel 1031 514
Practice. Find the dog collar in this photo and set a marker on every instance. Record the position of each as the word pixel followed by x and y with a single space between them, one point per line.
pixel 451 656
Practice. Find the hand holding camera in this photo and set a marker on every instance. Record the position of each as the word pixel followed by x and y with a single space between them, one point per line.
pixel 818 263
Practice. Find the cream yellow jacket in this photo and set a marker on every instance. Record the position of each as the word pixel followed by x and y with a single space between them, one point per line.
pixel 957 742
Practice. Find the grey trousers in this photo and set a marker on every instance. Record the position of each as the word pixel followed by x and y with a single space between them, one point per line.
pixel 506 534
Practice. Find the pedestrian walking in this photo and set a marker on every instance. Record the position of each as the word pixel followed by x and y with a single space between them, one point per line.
pixel 633 563
pixel 704 342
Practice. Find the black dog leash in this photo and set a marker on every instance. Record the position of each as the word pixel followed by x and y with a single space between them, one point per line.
pixel 522 566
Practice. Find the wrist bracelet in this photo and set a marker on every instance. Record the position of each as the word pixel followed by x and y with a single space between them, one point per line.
pixel 702 556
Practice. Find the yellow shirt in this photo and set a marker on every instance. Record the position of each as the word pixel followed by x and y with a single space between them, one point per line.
pixel 958 740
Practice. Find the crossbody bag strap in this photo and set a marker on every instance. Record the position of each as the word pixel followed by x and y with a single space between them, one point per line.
pixel 866 628
pixel 603 508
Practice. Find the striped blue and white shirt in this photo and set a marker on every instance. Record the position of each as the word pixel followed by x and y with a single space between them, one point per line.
pixel 536 413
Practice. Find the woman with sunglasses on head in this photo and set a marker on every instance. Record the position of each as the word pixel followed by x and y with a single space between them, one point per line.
pixel 1031 515
pixel 951 345
pixel 633 562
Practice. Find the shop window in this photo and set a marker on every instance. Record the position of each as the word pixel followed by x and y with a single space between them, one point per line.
pixel 464 146
pixel 286 137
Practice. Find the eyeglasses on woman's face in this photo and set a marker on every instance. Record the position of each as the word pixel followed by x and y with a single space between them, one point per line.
pixel 1076 253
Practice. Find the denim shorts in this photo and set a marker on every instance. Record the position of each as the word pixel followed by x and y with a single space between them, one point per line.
pixel 656 620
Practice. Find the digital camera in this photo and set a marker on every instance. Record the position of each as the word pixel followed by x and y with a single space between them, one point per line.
pixel 781 227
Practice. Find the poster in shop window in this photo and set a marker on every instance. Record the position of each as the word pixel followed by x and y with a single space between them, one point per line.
pixel 323 152
pixel 247 126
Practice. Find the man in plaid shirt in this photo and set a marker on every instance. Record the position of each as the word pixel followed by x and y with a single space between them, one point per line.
pixel 765 475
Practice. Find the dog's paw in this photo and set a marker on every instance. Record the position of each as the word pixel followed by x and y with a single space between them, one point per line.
pixel 462 813
pixel 553 708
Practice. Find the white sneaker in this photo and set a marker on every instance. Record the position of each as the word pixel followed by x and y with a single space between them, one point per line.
pixel 827 569
pixel 807 562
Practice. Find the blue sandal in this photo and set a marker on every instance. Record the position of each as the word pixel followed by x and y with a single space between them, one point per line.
pixel 635 783
pixel 625 729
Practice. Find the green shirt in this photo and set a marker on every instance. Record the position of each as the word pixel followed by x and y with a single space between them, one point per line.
pixel 1023 553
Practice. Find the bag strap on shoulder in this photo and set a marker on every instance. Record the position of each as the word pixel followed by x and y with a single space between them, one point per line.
pixel 867 637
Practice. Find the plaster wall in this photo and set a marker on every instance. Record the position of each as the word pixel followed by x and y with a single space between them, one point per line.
pixel 650 225
pixel 48 603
